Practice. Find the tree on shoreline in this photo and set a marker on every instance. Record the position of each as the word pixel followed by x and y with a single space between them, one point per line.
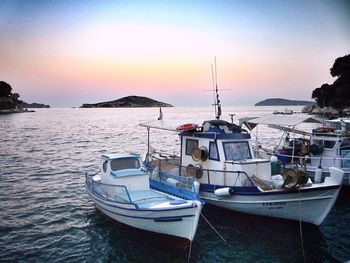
pixel 8 100
pixel 336 95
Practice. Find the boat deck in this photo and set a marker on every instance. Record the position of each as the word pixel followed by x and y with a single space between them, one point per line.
pixel 149 198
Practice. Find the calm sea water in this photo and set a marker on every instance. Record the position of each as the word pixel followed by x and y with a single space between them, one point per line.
pixel 47 216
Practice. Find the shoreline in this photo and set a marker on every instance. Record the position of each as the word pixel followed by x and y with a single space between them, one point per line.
pixel 8 111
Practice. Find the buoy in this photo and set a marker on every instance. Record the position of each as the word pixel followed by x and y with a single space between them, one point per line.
pixel 274 159
pixel 187 127
pixel 318 173
pixel 155 174
pixel 223 191
pixel 196 186
pixel 172 181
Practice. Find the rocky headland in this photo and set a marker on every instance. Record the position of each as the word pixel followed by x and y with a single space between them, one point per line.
pixel 329 112
pixel 10 102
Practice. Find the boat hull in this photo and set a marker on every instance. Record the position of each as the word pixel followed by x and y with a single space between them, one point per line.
pixel 308 205
pixel 181 221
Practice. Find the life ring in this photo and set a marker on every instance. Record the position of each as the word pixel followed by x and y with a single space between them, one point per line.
pixel 187 127
pixel 324 129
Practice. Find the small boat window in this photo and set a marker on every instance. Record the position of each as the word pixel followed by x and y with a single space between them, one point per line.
pixel 213 151
pixel 190 143
pixel 236 151
pixel 125 163
pixel 104 166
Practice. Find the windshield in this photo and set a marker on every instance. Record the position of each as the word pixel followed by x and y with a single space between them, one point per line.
pixel 125 163
pixel 236 151
pixel 324 143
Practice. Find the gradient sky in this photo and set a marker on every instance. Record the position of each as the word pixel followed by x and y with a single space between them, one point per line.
pixel 65 53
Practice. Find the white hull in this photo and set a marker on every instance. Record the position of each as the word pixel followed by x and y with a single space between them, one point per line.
pixel 181 221
pixel 311 205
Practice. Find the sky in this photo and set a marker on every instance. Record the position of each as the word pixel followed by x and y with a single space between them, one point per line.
pixel 66 53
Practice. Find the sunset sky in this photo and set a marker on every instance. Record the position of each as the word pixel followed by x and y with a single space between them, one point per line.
pixel 65 53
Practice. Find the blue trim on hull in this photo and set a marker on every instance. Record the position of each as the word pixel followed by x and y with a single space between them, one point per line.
pixel 139 217
pixel 168 219
pixel 175 191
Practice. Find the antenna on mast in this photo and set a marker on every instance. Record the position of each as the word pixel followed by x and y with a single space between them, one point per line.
pixel 216 92
pixel 212 76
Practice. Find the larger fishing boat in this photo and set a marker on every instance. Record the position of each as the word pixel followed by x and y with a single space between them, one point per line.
pixel 220 157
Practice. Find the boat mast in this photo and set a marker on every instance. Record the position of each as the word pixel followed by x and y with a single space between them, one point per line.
pixel 216 92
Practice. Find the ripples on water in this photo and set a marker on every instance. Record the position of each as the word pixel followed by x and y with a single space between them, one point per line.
pixel 47 216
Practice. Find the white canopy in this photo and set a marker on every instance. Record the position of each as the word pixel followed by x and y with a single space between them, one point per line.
pixel 281 122
pixel 284 120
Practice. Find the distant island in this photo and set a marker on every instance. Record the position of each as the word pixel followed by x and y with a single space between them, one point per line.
pixel 33 105
pixel 283 102
pixel 128 102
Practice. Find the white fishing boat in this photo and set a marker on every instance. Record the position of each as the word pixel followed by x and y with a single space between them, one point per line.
pixel 285 112
pixel 219 155
pixel 124 192
pixel 326 146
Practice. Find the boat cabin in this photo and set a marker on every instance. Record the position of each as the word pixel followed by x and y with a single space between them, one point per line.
pixel 332 145
pixel 126 170
pixel 221 147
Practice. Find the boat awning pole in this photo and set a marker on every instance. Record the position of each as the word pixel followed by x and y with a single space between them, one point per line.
pixel 148 143
pixel 293 150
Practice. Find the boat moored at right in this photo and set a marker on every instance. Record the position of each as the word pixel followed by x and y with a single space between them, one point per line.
pixel 326 146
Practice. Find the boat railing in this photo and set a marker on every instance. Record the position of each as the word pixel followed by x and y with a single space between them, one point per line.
pixel 109 192
pixel 345 161
pixel 170 168
pixel 167 177
pixel 235 175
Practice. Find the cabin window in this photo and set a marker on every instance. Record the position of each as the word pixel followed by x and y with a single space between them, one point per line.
pixel 125 163
pixel 104 166
pixel 213 151
pixel 190 143
pixel 329 144
pixel 325 144
pixel 345 143
pixel 236 151
pixel 345 155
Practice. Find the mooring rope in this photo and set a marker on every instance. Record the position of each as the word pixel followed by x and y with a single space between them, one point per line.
pixel 215 230
pixel 190 248
pixel 189 252
pixel 301 229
